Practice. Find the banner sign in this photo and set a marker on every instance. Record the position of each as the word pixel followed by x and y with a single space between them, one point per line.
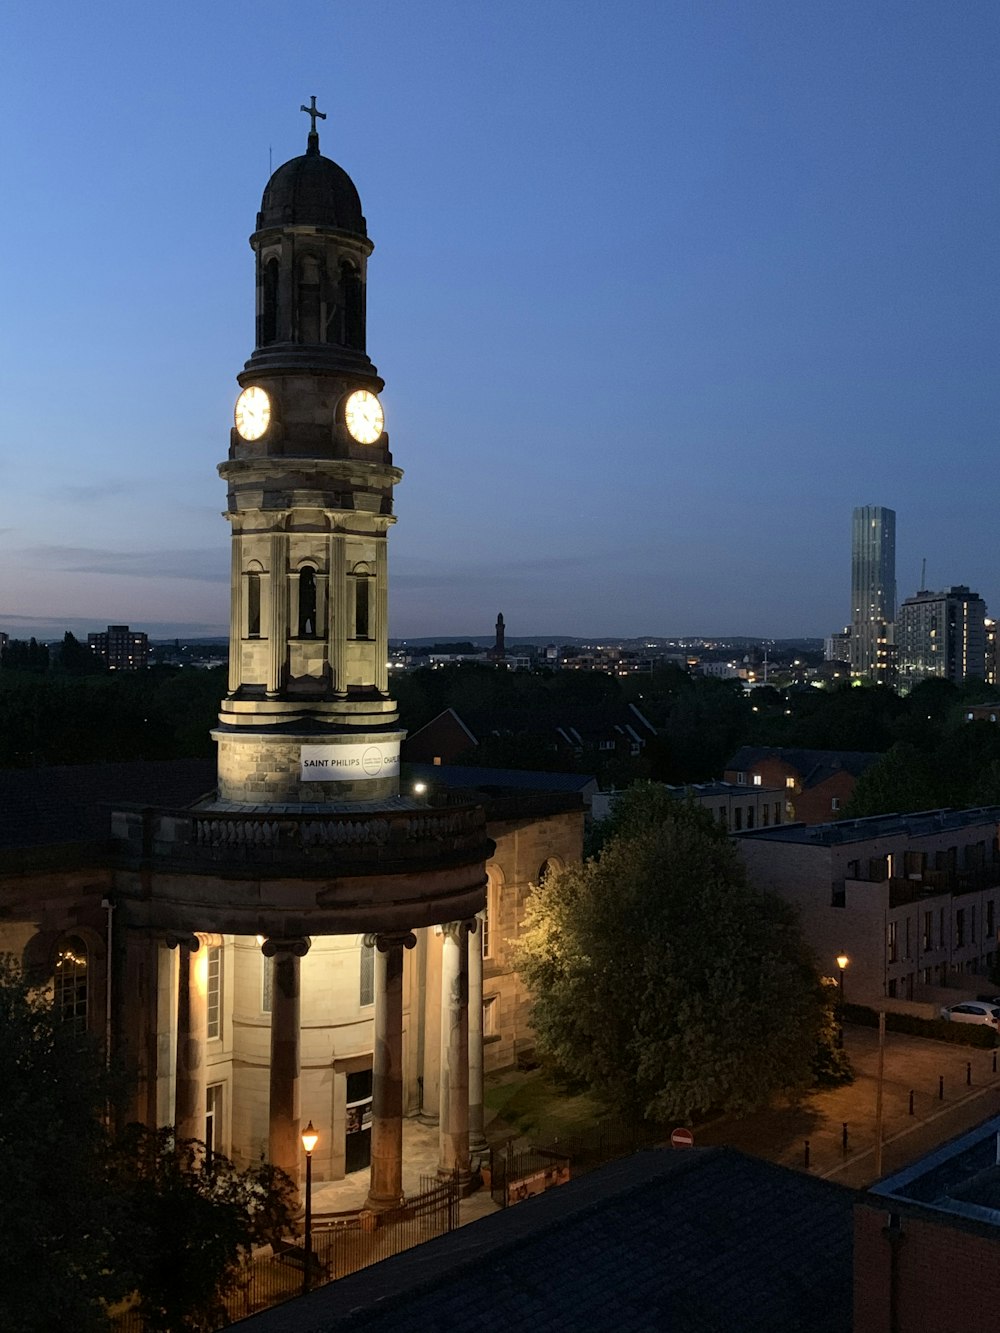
pixel 349 763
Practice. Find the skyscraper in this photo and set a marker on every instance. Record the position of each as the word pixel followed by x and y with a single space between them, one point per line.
pixel 942 634
pixel 873 592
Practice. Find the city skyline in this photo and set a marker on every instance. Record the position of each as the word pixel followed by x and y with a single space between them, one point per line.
pixel 658 304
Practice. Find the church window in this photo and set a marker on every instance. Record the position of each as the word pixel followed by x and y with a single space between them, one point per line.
pixel 367 990
pixel 308 311
pixel 307 602
pixel 253 605
pixel 214 993
pixel 269 303
pixel 361 608
pixel 70 984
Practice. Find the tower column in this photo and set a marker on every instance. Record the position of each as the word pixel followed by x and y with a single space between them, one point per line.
pixel 337 628
pixel 283 1144
pixel 235 618
pixel 453 1129
pixel 477 1135
pixel 386 1189
pixel 192 1035
pixel 381 616
pixel 278 628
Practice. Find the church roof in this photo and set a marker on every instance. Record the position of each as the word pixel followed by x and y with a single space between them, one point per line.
pixel 312 190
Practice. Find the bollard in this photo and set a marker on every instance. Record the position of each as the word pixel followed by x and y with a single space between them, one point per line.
pixel 911 1101
pixel 806 1155
pixel 940 1087
pixel 968 1073
pixel 843 1137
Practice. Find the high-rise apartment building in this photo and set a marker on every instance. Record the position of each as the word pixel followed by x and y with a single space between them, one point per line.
pixel 941 634
pixel 873 592
pixel 120 649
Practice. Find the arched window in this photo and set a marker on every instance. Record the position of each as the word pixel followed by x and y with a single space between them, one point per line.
pixel 253 604
pixel 269 303
pixel 307 602
pixel 353 293
pixel 70 990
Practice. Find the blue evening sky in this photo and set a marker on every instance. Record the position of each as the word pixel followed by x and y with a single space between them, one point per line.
pixel 661 290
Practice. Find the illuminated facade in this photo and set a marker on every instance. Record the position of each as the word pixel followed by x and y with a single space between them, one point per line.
pixel 873 593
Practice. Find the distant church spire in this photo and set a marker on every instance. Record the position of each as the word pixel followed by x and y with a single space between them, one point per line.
pixel 498 653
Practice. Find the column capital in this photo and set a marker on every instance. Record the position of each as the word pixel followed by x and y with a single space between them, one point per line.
pixel 393 939
pixel 177 940
pixel 298 946
pixel 455 930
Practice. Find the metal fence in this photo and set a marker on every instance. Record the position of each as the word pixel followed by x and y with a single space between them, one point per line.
pixel 516 1173
pixel 339 1247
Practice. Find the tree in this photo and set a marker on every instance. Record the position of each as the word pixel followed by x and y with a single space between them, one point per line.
pixel 88 1222
pixel 662 979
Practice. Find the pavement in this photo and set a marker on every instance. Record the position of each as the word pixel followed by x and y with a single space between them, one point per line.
pixel 915 1064
pixel 780 1132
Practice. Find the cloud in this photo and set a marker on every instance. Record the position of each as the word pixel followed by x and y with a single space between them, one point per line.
pixel 204 566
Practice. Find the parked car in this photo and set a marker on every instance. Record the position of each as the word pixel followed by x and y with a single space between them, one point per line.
pixel 973 1011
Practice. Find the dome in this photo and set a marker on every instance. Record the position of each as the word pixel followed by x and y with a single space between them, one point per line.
pixel 312 191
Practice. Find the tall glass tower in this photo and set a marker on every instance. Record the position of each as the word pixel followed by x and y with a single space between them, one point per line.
pixel 873 591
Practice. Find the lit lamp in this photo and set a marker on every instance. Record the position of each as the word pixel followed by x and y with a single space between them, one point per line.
pixel 842 961
pixel 309 1140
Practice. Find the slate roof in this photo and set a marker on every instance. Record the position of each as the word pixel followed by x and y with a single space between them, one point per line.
pixel 464 775
pixel 48 807
pixel 813 766
pixel 693 1241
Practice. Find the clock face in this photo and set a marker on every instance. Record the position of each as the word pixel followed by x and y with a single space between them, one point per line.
pixel 253 412
pixel 364 416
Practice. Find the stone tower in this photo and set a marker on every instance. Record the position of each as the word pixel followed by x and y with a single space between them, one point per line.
pixel 307 720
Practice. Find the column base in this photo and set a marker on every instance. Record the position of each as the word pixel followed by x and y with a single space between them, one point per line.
pixel 381 1205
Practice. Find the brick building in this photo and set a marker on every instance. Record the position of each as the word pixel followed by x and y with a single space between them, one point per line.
pixel 817 783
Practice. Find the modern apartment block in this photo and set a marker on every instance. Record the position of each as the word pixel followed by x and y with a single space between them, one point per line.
pixel 120 649
pixel 873 592
pixel 913 900
pixel 941 634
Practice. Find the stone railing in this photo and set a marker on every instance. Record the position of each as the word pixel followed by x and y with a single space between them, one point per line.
pixel 258 837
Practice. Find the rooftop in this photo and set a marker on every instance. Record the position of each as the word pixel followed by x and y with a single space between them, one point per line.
pixel 923 823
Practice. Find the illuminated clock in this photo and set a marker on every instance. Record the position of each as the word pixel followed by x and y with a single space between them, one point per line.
pixel 364 416
pixel 253 412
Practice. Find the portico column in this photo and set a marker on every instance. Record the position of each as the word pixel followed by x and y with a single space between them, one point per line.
pixel 284 1147
pixel 192 1034
pixel 386 1188
pixel 477 1136
pixel 453 1130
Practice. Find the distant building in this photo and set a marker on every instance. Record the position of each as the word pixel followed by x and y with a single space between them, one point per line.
pixel 817 783
pixel 4 640
pixel 734 807
pixel 498 653
pixel 990 632
pixel 941 634
pixel 837 647
pixel 120 649
pixel 873 592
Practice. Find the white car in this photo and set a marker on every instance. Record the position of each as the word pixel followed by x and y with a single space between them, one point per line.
pixel 972 1011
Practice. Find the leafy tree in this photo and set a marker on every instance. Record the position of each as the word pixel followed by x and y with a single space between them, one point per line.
pixel 76 659
pixel 661 979
pixel 57 1230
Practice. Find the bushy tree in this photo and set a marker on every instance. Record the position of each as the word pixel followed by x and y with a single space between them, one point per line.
pixel 662 979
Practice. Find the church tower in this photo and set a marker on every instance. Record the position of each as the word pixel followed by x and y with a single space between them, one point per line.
pixel 307 719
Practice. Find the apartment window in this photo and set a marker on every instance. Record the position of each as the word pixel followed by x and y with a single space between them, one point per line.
pixel 367 986
pixel 972 925
pixel 738 819
pixel 70 990
pixel 960 928
pixel 757 779
pixel 990 924
pixel 750 820
pixel 907 939
pixel 741 779
pixel 790 783
pixel 835 803
pixel 893 943
pixel 764 814
pixel 927 975
pixel 490 1014
pixel 892 989
pixel 941 936
pixel 214 993
pixel 723 818
pixel 266 984
pixel 927 940
pixel 777 812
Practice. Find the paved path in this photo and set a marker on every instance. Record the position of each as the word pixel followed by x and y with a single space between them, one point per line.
pixel 911 1063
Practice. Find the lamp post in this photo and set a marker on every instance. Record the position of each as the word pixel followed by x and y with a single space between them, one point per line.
pixel 309 1140
pixel 842 961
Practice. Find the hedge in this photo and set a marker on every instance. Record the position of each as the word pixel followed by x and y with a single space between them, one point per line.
pixel 937 1029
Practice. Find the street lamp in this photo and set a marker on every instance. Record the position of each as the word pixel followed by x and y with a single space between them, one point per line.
pixel 309 1140
pixel 842 961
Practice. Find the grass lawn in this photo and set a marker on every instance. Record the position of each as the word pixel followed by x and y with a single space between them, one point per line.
pixel 532 1104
